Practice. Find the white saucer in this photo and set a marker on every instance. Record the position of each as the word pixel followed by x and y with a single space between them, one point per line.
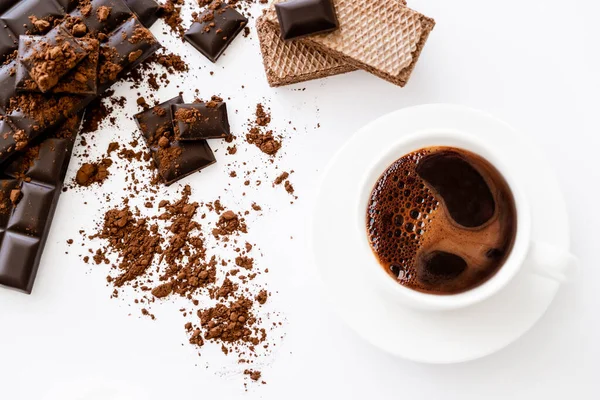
pixel 433 337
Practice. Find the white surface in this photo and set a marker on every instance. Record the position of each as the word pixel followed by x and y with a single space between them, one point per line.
pixel 532 63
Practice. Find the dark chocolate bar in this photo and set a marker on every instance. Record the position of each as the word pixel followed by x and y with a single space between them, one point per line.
pixel 215 29
pixel 29 190
pixel 199 121
pixel 146 10
pixel 174 159
pixel 50 57
pixel 299 18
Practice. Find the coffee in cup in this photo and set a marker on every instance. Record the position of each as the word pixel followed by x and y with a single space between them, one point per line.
pixel 441 220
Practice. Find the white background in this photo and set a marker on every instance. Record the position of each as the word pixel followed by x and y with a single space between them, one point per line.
pixel 534 64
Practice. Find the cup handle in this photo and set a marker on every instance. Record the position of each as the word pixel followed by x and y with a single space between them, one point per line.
pixel 548 261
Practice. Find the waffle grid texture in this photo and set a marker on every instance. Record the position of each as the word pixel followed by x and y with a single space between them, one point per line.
pixel 382 37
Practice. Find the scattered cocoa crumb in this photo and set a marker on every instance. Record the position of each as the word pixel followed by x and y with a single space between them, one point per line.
pixel 90 173
pixel 262 118
pixel 254 375
pixel 264 141
pixel 281 178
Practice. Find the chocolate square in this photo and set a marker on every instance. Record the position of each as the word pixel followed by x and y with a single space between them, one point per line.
pixel 103 15
pixel 215 29
pixel 48 58
pixel 146 10
pixel 299 18
pixel 126 48
pixel 29 217
pixel 18 17
pixel 199 121
pixel 174 159
pixel 18 260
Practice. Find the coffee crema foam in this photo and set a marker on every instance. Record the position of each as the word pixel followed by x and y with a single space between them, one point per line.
pixel 441 220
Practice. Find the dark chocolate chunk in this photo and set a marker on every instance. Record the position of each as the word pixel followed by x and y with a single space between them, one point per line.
pixel 200 121
pixel 174 159
pixel 8 43
pixel 215 30
pixel 146 10
pixel 50 57
pixel 299 18
pixel 29 190
pixel 103 15
pixel 19 20
pixel 126 48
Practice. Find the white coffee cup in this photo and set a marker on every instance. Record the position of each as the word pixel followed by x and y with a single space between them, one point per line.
pixel 535 257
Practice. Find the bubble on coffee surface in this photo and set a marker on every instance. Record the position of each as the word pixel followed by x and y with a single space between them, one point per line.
pixel 441 220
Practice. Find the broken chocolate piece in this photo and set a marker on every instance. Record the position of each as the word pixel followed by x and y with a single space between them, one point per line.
pixel 48 58
pixel 299 18
pixel 174 159
pixel 215 29
pixel 200 121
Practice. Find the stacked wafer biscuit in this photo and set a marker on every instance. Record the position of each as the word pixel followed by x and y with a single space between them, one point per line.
pixel 383 37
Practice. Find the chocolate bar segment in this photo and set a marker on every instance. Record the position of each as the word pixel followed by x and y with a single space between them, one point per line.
pixel 288 62
pixel 200 121
pixel 20 17
pixel 174 159
pixel 382 37
pixel 146 10
pixel 299 18
pixel 50 57
pixel 215 29
pixel 29 190
pixel 126 48
pixel 103 15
